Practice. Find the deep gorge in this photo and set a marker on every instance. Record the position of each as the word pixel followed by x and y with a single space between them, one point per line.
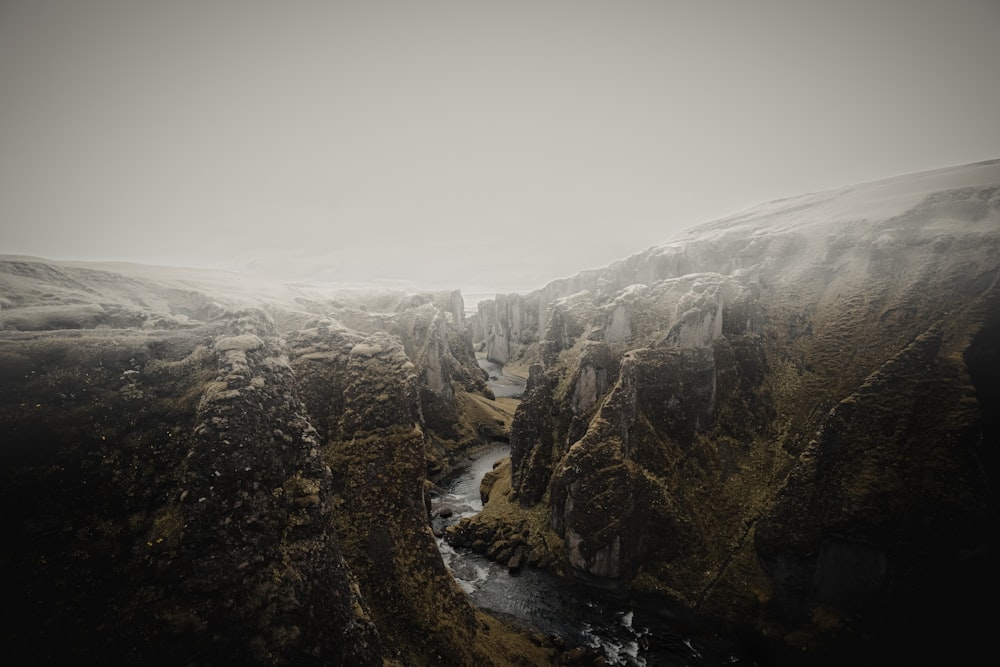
pixel 780 430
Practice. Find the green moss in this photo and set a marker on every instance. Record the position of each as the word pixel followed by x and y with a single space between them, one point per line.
pixel 505 518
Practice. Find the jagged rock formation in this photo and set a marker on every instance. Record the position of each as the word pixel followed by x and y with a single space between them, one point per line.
pixel 785 422
pixel 367 393
pixel 167 490
pixel 437 344
pixel 782 420
pixel 196 469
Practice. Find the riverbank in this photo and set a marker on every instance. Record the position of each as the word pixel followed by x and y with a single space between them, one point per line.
pixel 518 571
pixel 595 625
pixel 505 381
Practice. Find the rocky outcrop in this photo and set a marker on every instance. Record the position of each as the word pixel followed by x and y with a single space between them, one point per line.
pixel 166 490
pixel 445 365
pixel 532 439
pixel 506 324
pixel 235 484
pixel 504 531
pixel 376 450
pixel 782 420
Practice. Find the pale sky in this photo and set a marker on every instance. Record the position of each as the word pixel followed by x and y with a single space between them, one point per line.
pixel 487 146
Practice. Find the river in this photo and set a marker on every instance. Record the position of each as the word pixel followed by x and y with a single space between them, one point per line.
pixel 502 383
pixel 629 631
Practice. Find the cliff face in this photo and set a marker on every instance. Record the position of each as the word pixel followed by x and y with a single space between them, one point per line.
pixel 376 446
pixel 199 470
pixel 783 418
pixel 164 490
pixel 436 342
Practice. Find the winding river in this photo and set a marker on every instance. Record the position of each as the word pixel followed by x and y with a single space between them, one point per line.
pixel 630 632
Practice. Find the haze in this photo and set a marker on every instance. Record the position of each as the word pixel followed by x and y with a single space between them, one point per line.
pixel 487 146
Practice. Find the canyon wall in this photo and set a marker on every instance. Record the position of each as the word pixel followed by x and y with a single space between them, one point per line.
pixel 201 470
pixel 781 420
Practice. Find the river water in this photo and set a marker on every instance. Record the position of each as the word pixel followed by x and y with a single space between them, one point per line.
pixel 629 631
pixel 502 384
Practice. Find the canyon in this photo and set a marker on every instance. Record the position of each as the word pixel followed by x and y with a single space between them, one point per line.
pixel 780 427
pixel 206 470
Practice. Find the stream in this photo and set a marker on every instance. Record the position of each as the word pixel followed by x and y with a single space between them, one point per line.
pixel 629 631
pixel 502 384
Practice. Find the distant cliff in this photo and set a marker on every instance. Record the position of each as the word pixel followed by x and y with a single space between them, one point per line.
pixel 785 419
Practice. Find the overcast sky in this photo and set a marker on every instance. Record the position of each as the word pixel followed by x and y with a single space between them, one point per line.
pixel 488 146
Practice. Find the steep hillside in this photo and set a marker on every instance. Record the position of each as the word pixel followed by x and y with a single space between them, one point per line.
pixel 198 469
pixel 784 419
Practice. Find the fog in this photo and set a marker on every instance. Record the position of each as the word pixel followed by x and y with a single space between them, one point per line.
pixel 481 146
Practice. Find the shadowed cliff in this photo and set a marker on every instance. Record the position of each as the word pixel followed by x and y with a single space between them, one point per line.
pixel 202 469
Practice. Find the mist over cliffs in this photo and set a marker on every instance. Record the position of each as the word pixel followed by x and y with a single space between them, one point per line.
pixel 782 424
pixel 784 418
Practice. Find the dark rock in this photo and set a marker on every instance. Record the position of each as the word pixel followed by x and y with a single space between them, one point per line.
pixel 532 439
pixel 516 560
pixel 249 489
pixel 180 497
